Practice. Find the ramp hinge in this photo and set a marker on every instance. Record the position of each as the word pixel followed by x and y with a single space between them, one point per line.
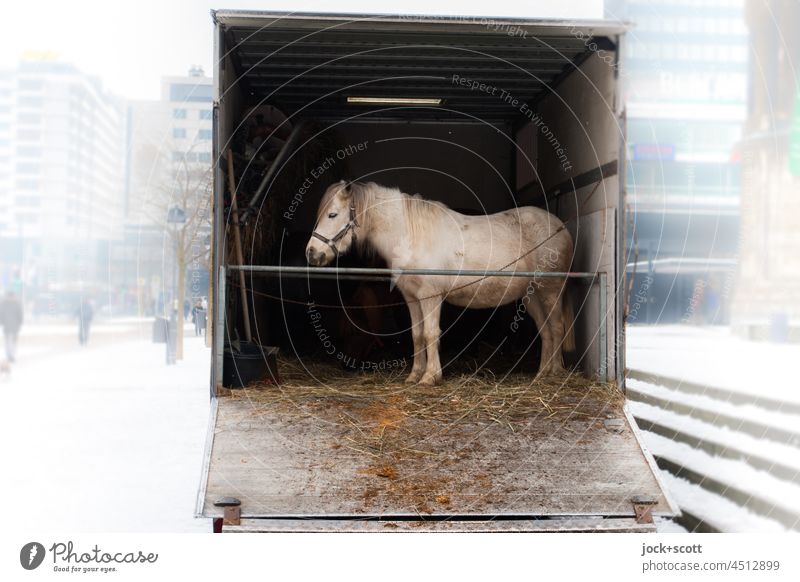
pixel 643 508
pixel 233 510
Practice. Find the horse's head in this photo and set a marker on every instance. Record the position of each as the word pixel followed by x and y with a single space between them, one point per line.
pixel 334 232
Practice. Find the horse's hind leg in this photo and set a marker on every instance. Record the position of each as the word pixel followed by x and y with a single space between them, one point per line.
pixel 536 311
pixel 551 301
pixel 417 334
pixel 431 312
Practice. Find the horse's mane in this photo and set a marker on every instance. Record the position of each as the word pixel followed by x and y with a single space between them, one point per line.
pixel 420 215
pixel 370 199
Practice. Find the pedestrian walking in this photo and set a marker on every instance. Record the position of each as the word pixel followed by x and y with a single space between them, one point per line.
pixel 11 316
pixel 198 318
pixel 85 314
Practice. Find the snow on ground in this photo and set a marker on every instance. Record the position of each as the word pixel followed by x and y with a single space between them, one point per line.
pixel 668 526
pixel 716 358
pixel 51 330
pixel 69 327
pixel 746 444
pixel 717 511
pixel 733 473
pixel 109 438
pixel 104 438
pixel 713 356
pixel 787 422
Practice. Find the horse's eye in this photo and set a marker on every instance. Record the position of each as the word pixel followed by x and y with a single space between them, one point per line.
pixel 333 215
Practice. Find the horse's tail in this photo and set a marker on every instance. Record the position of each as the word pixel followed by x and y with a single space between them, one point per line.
pixel 568 317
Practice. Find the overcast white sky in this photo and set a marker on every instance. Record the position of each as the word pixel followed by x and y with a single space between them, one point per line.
pixel 131 44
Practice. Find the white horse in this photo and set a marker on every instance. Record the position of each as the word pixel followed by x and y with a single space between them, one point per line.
pixel 409 232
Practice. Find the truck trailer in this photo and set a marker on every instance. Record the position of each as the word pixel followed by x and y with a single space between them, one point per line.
pixel 483 114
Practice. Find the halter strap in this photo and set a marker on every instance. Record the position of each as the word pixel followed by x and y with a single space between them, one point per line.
pixel 331 242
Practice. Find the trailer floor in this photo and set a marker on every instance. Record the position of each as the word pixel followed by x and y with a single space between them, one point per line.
pixel 398 454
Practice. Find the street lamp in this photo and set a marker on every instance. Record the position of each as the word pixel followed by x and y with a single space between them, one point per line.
pixel 176 218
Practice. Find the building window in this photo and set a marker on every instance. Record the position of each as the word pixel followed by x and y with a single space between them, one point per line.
pixel 204 157
pixel 27 168
pixel 29 152
pixel 178 132
pixel 204 134
pixel 28 200
pixel 190 92
pixel 26 218
pixel 205 114
pixel 30 85
pixel 29 118
pixel 179 114
pixel 30 102
pixel 186 157
pixel 27 184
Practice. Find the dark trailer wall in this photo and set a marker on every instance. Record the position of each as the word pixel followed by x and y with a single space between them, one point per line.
pixel 530 115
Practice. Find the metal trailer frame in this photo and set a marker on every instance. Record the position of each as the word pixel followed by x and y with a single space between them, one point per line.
pixel 600 279
pixel 600 28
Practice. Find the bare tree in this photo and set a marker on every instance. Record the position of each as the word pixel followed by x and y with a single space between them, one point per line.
pixel 180 180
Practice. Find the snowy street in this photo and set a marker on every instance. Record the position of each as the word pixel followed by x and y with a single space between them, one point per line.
pixel 107 437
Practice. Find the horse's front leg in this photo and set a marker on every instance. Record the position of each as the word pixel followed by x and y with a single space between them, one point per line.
pixel 418 367
pixel 431 312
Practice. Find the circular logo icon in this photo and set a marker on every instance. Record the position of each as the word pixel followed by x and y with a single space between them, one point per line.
pixel 31 555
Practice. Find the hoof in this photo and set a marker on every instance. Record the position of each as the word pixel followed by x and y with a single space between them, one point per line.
pixel 430 380
pixel 412 378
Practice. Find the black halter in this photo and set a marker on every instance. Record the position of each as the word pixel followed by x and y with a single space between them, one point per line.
pixel 331 242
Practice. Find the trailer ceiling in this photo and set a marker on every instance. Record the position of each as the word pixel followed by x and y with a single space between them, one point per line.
pixel 308 64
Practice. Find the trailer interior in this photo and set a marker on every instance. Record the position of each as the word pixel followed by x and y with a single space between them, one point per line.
pixel 483 115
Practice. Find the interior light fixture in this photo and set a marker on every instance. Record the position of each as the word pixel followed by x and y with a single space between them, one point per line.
pixel 394 100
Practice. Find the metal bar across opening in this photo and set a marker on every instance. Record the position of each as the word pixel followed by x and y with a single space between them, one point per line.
pixel 315 271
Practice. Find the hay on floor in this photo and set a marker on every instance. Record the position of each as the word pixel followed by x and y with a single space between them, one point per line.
pixel 381 415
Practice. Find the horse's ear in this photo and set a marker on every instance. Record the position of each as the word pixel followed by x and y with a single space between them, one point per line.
pixel 345 188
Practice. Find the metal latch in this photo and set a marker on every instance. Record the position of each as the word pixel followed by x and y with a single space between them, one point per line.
pixel 643 508
pixel 233 510
pixel 615 425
